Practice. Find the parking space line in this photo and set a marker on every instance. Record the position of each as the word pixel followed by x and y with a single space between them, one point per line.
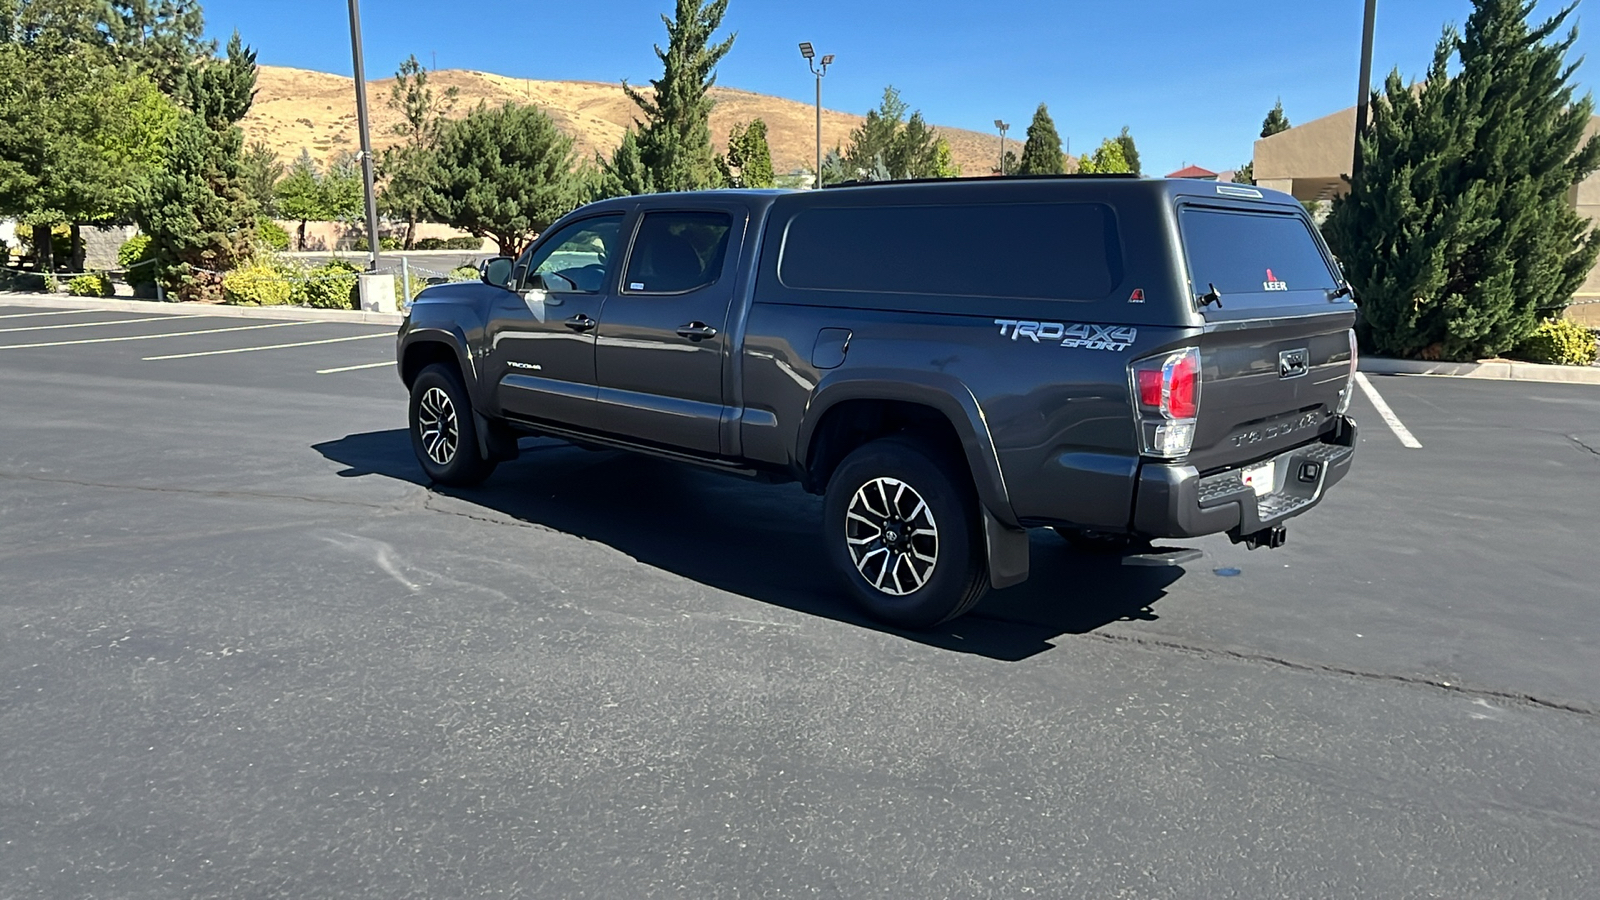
pixel 51 312
pixel 150 337
pixel 359 337
pixel 387 362
pixel 1387 414
pixel 82 324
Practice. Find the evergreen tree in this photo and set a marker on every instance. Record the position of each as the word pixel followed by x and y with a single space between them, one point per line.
pixel 1041 153
pixel 1457 231
pixel 675 138
pixel 407 170
pixel 1008 164
pixel 749 160
pixel 624 175
pixel 504 173
pixel 199 218
pixel 889 146
pixel 161 38
pixel 1275 122
pixel 262 170
pixel 1245 174
pixel 945 161
pixel 1130 153
pixel 344 191
pixel 299 195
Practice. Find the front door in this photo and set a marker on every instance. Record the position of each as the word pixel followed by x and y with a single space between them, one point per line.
pixel 541 332
pixel 663 339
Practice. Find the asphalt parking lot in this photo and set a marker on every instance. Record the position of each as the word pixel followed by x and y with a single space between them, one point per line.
pixel 245 652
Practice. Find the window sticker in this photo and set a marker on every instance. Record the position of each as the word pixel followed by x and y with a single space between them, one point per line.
pixel 1273 284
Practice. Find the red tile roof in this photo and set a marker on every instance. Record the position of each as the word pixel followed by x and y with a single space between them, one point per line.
pixel 1193 172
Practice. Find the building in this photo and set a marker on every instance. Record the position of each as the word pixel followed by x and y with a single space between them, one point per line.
pixel 1311 162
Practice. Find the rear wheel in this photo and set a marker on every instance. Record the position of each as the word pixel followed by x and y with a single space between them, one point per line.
pixel 902 531
pixel 443 433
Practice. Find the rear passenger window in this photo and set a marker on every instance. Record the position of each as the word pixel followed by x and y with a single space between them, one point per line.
pixel 677 252
pixel 1252 253
pixel 1045 251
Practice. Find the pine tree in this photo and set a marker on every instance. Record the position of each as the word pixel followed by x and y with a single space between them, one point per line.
pixel 262 171
pixel 1275 122
pixel 161 38
pixel 1041 153
pixel 675 138
pixel 505 173
pixel 749 160
pixel 1130 153
pixel 1457 232
pixel 1245 174
pixel 199 218
pixel 407 169
pixel 299 195
pixel 889 146
pixel 625 174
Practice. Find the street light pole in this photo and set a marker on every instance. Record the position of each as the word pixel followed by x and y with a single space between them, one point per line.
pixel 810 53
pixel 1364 99
pixel 366 136
pixel 1004 127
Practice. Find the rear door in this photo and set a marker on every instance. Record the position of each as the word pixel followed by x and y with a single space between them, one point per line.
pixel 1276 356
pixel 662 345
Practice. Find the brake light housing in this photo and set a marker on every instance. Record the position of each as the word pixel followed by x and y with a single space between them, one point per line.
pixel 1166 393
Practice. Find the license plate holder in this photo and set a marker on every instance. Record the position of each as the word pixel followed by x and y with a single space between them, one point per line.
pixel 1260 477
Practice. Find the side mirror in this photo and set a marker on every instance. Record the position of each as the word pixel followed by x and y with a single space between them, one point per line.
pixel 496 270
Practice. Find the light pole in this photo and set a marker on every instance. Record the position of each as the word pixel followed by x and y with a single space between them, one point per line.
pixel 366 136
pixel 1365 97
pixel 810 53
pixel 1004 127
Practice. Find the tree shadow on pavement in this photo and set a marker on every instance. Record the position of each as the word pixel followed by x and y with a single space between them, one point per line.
pixel 762 541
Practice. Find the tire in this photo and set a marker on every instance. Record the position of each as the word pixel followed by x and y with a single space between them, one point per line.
pixel 444 435
pixel 901 490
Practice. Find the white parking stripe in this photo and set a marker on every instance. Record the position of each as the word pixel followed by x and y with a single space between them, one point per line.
pixel 53 312
pixel 359 337
pixel 1387 414
pixel 387 362
pixel 83 324
pixel 150 337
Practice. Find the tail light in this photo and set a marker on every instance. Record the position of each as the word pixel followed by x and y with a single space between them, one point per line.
pixel 1167 390
pixel 1350 381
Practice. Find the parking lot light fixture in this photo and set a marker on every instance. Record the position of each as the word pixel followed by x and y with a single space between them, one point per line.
pixel 1004 127
pixel 365 130
pixel 810 53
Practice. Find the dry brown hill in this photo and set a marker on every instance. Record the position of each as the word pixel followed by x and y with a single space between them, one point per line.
pixel 296 109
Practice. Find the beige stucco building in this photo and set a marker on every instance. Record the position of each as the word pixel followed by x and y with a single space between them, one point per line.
pixel 1311 161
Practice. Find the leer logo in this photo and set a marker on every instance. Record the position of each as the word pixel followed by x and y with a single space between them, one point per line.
pixel 1273 284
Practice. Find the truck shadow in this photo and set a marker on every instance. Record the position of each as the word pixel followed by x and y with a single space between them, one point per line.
pixel 761 541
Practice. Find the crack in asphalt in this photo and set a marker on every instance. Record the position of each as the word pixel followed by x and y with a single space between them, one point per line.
pixel 1579 441
pixel 1365 675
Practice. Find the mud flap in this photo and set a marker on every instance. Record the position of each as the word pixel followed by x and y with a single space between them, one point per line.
pixel 1008 552
pixel 496 441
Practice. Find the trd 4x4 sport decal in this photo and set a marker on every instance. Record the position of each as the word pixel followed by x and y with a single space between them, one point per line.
pixel 1080 337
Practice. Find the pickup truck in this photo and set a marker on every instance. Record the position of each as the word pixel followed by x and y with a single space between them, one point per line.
pixel 948 363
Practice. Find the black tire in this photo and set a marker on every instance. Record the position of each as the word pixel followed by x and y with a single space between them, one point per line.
pixel 912 593
pixel 444 435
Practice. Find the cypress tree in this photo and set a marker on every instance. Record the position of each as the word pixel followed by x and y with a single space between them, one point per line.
pixel 1130 153
pixel 1041 153
pixel 1457 233
pixel 625 174
pixel 1275 122
pixel 675 138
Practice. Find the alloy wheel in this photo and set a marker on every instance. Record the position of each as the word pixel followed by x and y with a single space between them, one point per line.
pixel 893 539
pixel 438 426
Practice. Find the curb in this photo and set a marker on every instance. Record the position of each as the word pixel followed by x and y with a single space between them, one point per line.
pixel 297 313
pixel 1491 370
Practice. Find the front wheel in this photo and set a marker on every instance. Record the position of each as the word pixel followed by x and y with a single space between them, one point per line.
pixel 902 531
pixel 443 434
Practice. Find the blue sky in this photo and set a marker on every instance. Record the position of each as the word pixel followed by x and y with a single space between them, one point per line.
pixel 1191 78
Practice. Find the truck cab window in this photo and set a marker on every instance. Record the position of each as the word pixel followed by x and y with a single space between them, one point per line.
pixel 575 259
pixel 678 252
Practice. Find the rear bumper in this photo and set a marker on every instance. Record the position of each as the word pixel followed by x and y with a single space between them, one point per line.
pixel 1176 502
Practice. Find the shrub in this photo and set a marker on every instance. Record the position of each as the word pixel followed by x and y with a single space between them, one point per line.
pixel 273 237
pixel 28 282
pixel 330 286
pixel 93 284
pixel 5 252
pixel 1558 342
pixel 463 243
pixel 52 284
pixel 431 244
pixel 384 243
pixel 464 273
pixel 259 282
pixel 135 257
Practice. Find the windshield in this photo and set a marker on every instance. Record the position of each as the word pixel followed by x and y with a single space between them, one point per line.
pixel 1262 259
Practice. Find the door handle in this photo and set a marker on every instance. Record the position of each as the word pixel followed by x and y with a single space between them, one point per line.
pixel 697 331
pixel 581 322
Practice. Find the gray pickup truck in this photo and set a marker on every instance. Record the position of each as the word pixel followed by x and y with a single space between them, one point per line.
pixel 949 363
